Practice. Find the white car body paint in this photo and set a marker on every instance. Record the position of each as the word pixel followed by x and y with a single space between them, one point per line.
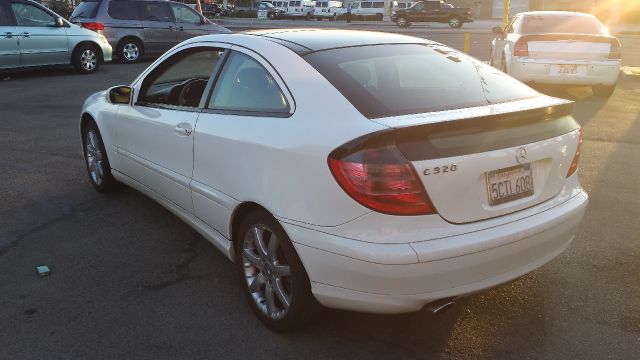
pixel 356 258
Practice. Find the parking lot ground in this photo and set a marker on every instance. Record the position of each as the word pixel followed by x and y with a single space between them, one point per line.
pixel 130 280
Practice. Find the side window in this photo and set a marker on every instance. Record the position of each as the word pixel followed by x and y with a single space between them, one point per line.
pixel 181 79
pixel 378 5
pixel 124 10
pixel 292 3
pixel 366 5
pixel 245 85
pixel 5 16
pixel 184 14
pixel 419 6
pixel 355 5
pixel 432 5
pixel 156 11
pixel 29 15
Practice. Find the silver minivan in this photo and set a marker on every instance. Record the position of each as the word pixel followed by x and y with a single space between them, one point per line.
pixel 32 36
pixel 138 27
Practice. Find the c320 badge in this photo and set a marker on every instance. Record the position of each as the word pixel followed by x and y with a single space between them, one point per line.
pixel 440 169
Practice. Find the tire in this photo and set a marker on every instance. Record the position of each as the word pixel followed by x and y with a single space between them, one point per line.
pixel 86 59
pixel 402 22
pixel 455 22
pixel 258 270
pixel 334 18
pixel 271 16
pixel 130 51
pixel 379 17
pixel 604 91
pixel 96 160
pixel 308 16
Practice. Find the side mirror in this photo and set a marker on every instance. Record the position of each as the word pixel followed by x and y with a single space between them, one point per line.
pixel 59 22
pixel 497 30
pixel 203 20
pixel 120 95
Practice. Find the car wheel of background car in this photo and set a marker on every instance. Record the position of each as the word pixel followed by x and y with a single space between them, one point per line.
pixel 273 278
pixel 308 16
pixel 334 18
pixel 603 90
pixel 96 160
pixel 85 59
pixel 455 22
pixel 130 50
pixel 271 16
pixel 379 17
pixel 402 22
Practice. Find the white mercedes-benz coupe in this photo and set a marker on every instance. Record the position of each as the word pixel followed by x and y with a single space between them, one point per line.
pixel 558 47
pixel 423 175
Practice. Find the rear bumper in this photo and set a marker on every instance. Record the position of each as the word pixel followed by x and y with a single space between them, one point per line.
pixel 540 71
pixel 396 278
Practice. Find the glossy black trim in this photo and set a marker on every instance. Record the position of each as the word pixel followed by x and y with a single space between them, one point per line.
pixel 213 80
pixel 248 113
pixel 167 107
pixel 476 135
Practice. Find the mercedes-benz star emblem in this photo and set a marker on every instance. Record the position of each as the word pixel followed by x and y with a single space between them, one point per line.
pixel 521 155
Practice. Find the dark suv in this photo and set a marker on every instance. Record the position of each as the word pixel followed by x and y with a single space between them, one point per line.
pixel 433 11
pixel 137 27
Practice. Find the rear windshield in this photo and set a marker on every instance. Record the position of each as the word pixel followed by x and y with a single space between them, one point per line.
pixel 392 80
pixel 562 24
pixel 86 9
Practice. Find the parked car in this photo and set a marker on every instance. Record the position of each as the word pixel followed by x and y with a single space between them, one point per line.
pixel 328 10
pixel 33 35
pixel 368 9
pixel 433 11
pixel 294 8
pixel 431 175
pixel 557 47
pixel 138 27
pixel 271 11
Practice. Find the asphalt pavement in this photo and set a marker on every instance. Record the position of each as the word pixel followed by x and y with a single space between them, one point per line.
pixel 131 281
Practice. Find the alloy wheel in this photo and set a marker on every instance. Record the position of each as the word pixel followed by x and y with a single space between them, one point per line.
pixel 94 157
pixel 88 60
pixel 402 22
pixel 454 23
pixel 266 271
pixel 131 51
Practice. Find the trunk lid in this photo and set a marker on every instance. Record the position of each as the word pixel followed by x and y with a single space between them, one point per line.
pixel 463 156
pixel 569 46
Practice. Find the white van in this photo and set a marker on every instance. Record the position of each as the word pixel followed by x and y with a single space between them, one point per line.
pixel 328 10
pixel 368 9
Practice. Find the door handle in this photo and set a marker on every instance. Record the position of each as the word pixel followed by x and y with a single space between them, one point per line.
pixel 181 28
pixel 8 35
pixel 183 129
pixel 25 34
pixel 170 28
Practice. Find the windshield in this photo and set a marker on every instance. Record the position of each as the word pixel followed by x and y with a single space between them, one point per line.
pixel 392 80
pixel 86 9
pixel 534 24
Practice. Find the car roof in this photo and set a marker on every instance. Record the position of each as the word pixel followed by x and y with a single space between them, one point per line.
pixel 304 41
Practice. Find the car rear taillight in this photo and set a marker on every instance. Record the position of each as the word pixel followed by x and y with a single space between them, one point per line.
pixel 576 157
pixel 616 50
pixel 521 48
pixel 381 179
pixel 93 26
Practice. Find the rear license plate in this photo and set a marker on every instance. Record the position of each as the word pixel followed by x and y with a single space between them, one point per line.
pixel 566 69
pixel 509 184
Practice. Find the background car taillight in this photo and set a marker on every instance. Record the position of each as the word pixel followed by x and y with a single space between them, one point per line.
pixel 521 47
pixel 93 25
pixel 576 157
pixel 616 50
pixel 381 179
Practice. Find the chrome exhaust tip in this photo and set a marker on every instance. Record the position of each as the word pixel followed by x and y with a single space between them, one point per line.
pixel 439 306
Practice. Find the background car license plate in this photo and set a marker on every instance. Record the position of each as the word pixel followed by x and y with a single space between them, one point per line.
pixel 567 70
pixel 509 184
